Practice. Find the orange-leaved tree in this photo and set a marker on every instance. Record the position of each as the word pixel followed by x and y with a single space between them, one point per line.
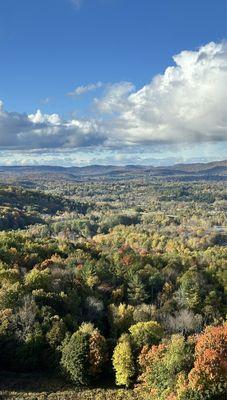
pixel 209 373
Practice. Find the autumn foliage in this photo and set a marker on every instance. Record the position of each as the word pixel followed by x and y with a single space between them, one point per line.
pixel 169 373
pixel 210 368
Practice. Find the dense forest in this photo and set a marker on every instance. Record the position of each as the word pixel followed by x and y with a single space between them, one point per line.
pixel 113 283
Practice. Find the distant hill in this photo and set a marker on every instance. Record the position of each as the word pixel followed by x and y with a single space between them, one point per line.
pixel 201 167
pixel 218 168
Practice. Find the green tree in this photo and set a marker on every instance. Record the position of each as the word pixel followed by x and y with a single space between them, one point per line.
pixel 146 333
pixel 121 318
pixel 57 332
pixel 161 366
pixel 136 291
pixel 123 361
pixel 36 279
pixel 190 292
pixel 74 360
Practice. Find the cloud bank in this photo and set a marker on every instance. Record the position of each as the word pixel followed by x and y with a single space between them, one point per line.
pixel 185 105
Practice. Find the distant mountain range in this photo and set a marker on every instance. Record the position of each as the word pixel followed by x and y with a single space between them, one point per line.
pixel 218 168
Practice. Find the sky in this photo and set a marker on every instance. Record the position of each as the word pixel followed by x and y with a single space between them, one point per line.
pixel 113 81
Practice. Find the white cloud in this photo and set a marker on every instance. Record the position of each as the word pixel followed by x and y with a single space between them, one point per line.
pixel 84 89
pixel 40 131
pixel 39 118
pixel 187 104
pixel 140 155
pixel 115 98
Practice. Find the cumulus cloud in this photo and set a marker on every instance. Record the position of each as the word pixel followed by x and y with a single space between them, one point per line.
pixel 188 103
pixel 39 131
pixel 116 98
pixel 185 105
pixel 84 89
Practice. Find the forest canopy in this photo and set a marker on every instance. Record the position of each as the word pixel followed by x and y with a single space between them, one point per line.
pixel 116 279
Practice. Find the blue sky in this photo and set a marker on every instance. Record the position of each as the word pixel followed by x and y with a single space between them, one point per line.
pixel 93 68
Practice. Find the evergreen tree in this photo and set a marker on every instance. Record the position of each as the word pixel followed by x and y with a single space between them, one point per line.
pixel 136 291
pixel 75 362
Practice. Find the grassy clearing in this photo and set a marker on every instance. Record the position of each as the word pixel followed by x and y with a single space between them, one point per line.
pixel 37 387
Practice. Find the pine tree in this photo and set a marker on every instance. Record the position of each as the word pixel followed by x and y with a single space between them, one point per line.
pixel 74 359
pixel 136 291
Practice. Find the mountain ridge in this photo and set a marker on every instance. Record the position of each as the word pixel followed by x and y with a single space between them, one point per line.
pixel 213 168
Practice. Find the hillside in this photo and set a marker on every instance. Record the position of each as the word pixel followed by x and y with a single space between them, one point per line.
pixel 109 274
pixel 217 169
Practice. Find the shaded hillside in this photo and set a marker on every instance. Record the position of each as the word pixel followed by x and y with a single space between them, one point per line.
pixel 36 201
